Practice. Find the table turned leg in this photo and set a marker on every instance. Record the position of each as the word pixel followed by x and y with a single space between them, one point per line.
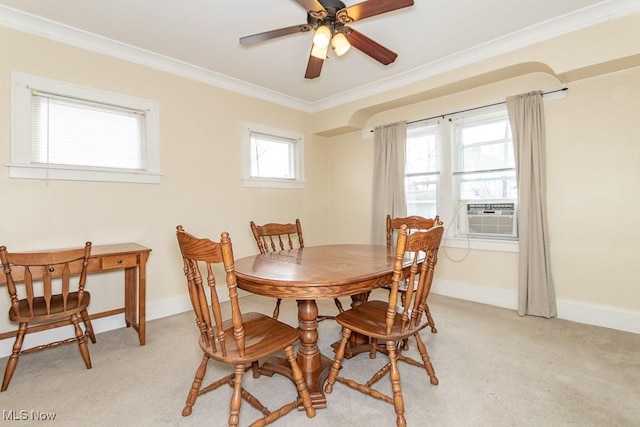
pixel 314 366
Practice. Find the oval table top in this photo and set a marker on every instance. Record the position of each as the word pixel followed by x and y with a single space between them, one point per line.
pixel 317 272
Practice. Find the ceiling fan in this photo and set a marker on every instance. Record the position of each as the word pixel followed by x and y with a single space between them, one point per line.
pixel 329 19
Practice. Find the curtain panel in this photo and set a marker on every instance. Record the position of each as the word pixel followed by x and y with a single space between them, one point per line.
pixel 388 177
pixel 536 294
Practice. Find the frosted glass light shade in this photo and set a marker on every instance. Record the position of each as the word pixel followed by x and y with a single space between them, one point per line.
pixel 322 37
pixel 340 44
pixel 319 52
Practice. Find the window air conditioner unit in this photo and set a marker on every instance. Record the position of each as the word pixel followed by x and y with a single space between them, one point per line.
pixel 492 220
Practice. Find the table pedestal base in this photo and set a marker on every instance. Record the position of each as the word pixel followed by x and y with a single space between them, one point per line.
pixel 315 367
pixel 314 380
pixel 357 343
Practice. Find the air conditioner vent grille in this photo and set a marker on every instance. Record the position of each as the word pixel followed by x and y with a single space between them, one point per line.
pixel 486 224
pixel 491 220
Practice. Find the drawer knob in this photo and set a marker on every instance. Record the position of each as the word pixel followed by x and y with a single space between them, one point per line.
pixel 119 261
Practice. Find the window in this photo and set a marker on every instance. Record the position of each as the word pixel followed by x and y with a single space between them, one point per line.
pixel 272 157
pixel 69 132
pixel 459 160
pixel 484 164
pixel 421 171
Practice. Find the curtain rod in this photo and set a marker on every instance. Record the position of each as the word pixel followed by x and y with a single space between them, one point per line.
pixel 482 106
pixel 478 108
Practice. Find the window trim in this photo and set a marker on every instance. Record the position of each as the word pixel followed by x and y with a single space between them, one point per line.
pixel 298 182
pixel 21 166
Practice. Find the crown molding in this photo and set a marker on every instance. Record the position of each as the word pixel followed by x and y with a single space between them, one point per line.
pixel 38 26
pixel 31 24
pixel 565 24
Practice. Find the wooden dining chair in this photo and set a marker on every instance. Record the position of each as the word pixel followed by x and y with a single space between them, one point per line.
pixel 413 223
pixel 239 341
pixel 380 320
pixel 274 237
pixel 47 299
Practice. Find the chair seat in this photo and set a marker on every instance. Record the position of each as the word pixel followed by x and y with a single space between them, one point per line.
pixel 263 337
pixel 369 319
pixel 57 309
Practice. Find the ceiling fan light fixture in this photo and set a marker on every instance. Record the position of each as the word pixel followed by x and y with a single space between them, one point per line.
pixel 340 44
pixel 319 52
pixel 322 37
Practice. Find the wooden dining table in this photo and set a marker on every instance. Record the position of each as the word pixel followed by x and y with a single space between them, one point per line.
pixel 311 273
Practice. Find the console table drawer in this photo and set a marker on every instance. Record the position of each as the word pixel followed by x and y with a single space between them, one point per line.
pixel 119 261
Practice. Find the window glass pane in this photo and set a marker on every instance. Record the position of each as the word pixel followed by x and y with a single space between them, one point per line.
pixel 488 156
pixel 421 154
pixel 421 170
pixel 493 185
pixel 271 157
pixel 484 132
pixel 484 143
pixel 77 133
pixel 421 196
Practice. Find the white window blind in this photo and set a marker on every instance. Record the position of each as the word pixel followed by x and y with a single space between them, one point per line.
pixel 75 132
pixel 63 131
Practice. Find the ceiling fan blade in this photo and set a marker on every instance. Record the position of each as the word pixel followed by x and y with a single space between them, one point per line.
pixel 314 8
pixel 370 47
pixel 370 8
pixel 268 35
pixel 314 67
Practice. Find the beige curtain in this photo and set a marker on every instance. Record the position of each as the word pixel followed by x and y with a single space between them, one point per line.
pixel 388 177
pixel 536 294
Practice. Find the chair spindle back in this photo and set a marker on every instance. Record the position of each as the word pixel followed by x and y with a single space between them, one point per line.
pixel 201 255
pixel 274 237
pixel 44 268
pixel 423 247
pixel 413 223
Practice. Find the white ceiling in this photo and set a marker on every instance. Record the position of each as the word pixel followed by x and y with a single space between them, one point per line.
pixel 199 39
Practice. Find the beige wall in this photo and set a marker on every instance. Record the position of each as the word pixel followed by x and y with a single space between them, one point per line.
pixel 593 170
pixel 593 159
pixel 200 162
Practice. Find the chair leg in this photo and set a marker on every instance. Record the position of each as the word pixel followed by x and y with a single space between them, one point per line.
pixel 255 368
pixel 15 353
pixel 82 341
pixel 396 387
pixel 303 392
pixel 88 326
pixel 195 386
pixel 430 320
pixel 373 348
pixel 338 304
pixel 276 310
pixel 425 360
pixel 236 397
pixel 337 361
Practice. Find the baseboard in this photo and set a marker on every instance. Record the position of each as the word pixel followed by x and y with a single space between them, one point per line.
pixel 590 314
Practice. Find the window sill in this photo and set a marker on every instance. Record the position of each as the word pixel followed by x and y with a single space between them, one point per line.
pixel 496 245
pixel 273 183
pixel 29 171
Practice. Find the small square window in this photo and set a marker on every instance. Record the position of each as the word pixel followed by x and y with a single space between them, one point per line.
pixel 272 157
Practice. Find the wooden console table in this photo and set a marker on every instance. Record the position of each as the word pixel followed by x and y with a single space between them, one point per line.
pixel 130 257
